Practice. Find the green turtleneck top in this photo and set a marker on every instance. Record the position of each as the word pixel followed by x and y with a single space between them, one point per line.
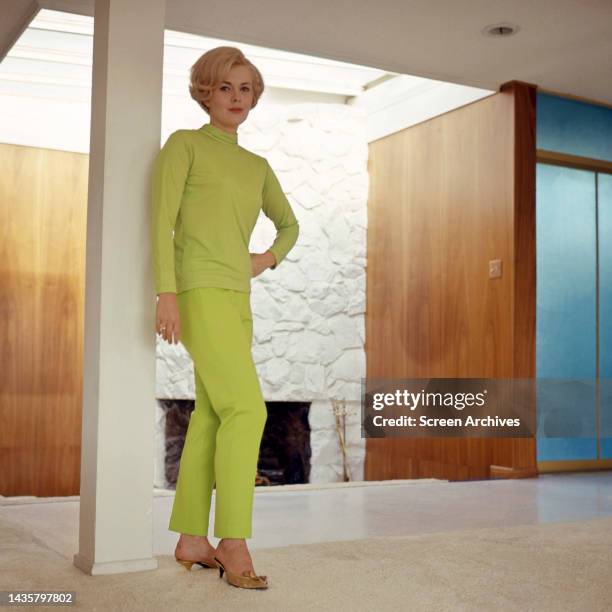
pixel 209 191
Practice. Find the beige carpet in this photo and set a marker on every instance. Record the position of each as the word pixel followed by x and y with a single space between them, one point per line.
pixel 558 566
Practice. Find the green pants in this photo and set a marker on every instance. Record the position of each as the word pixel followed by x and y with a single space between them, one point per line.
pixel 226 426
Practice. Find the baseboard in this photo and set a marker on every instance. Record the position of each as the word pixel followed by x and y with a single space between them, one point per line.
pixel 502 471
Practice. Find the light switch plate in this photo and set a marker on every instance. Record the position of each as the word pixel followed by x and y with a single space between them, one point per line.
pixel 495 268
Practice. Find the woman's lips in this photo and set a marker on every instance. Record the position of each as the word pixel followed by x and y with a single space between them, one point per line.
pixel 236 110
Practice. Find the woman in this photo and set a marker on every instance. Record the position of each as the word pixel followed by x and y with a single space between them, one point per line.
pixel 209 191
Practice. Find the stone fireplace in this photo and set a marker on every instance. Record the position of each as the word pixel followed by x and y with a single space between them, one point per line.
pixel 302 443
pixel 308 314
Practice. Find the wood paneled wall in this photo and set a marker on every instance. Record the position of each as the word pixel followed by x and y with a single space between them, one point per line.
pixel 43 212
pixel 446 196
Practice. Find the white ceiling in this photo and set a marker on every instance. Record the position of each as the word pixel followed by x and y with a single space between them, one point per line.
pixel 563 46
pixel 56 50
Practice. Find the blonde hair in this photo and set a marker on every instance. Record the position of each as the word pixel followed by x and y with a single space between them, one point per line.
pixel 210 69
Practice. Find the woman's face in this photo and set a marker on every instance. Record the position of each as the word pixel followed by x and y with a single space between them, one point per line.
pixel 235 92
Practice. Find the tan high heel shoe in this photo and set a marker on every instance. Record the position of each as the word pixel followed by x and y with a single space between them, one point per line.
pixel 248 580
pixel 187 564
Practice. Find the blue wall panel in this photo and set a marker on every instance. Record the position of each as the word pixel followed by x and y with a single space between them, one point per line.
pixel 566 313
pixel 573 208
pixel 605 310
pixel 573 127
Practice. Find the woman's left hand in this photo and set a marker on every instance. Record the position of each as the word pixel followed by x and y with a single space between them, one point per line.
pixel 261 262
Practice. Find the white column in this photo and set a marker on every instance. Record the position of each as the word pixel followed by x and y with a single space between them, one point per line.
pixel 116 508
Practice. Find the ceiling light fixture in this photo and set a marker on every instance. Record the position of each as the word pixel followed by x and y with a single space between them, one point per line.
pixel 501 29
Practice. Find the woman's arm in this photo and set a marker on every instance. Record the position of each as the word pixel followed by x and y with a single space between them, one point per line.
pixel 277 208
pixel 170 172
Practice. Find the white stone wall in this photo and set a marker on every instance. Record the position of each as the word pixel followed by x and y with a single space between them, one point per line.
pixel 309 313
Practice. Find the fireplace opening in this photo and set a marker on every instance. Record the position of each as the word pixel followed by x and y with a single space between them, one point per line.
pixel 284 453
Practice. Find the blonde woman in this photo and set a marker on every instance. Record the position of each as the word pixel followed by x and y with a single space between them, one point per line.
pixel 208 191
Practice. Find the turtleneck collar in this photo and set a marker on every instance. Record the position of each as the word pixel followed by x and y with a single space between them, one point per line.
pixel 218 134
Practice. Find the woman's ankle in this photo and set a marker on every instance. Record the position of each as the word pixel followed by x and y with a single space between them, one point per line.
pixel 231 542
pixel 188 537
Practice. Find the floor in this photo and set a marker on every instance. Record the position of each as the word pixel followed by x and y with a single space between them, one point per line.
pixel 284 516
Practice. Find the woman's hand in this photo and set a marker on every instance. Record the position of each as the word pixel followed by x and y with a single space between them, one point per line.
pixel 261 262
pixel 167 320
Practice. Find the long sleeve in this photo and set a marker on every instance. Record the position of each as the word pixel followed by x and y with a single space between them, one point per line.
pixel 170 171
pixel 277 208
